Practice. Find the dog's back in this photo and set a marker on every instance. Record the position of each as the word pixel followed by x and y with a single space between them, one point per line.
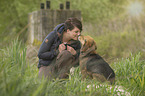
pixel 97 65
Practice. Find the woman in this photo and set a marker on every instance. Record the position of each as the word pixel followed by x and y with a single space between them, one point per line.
pixel 60 50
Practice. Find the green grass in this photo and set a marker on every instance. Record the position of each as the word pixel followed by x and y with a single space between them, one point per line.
pixel 131 74
pixel 19 78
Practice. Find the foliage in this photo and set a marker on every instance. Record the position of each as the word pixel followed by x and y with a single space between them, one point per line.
pixel 14 18
pixel 14 14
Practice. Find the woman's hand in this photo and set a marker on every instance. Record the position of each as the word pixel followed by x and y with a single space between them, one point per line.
pixel 61 47
pixel 71 50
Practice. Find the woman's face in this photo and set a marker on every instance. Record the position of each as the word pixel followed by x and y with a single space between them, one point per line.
pixel 74 34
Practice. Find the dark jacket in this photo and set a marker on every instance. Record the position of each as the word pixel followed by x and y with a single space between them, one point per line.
pixel 49 47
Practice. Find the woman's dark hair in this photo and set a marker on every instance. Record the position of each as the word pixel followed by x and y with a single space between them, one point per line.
pixel 71 23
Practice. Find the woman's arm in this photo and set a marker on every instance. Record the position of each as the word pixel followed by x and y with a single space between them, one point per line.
pixel 44 51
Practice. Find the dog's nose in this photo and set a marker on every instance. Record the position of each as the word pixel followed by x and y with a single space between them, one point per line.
pixel 79 37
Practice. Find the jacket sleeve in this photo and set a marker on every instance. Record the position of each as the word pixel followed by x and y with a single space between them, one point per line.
pixel 44 52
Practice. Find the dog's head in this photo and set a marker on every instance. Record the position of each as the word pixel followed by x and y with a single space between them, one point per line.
pixel 87 43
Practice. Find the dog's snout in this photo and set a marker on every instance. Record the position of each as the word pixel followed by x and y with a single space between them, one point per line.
pixel 79 37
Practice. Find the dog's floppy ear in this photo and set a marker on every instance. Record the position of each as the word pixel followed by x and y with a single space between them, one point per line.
pixel 85 46
pixel 91 43
pixel 93 48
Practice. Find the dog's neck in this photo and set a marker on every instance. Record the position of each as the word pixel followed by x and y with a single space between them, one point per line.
pixel 88 52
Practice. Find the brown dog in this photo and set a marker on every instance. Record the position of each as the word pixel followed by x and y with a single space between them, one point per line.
pixel 93 65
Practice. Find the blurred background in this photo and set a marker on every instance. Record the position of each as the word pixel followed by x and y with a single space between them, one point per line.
pixel 118 26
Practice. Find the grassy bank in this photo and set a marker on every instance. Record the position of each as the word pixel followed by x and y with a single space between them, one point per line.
pixel 19 78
